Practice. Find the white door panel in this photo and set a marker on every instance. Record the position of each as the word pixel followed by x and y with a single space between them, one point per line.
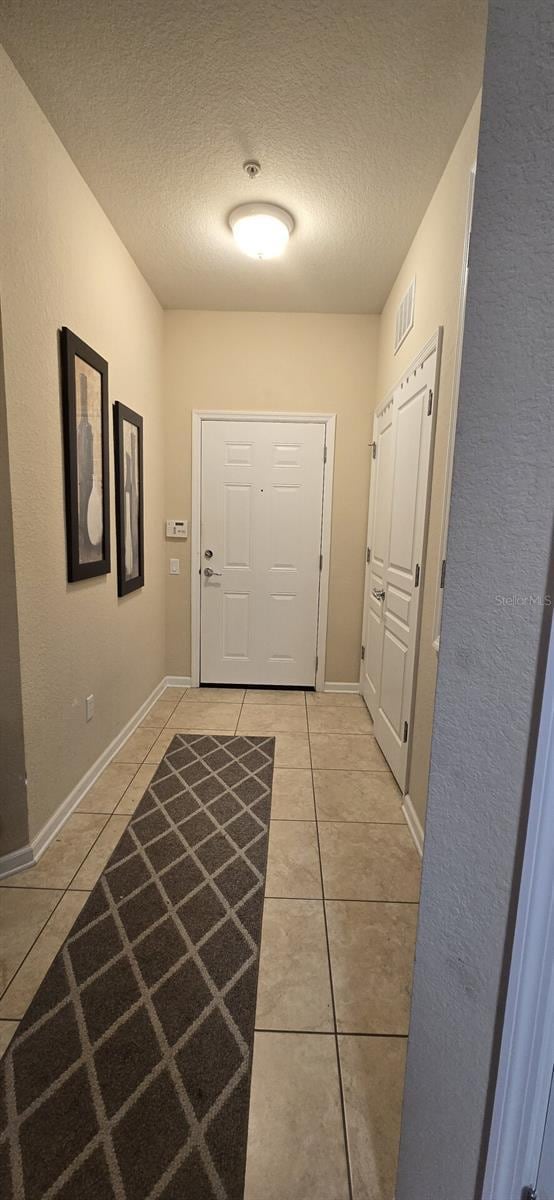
pixel 403 434
pixel 237 526
pixel 235 624
pixel 261 517
pixel 384 469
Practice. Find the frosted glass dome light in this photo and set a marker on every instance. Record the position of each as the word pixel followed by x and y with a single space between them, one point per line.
pixel 261 230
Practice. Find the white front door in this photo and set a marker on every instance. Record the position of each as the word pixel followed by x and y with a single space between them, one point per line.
pixel 403 434
pixel 260 546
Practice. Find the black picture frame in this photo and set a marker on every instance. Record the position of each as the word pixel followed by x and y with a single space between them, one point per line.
pixel 86 463
pixel 129 498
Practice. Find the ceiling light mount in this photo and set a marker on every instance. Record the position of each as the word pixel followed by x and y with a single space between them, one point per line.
pixel 261 230
pixel 252 168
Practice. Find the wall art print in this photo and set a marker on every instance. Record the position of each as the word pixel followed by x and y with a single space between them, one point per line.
pixel 85 420
pixel 129 499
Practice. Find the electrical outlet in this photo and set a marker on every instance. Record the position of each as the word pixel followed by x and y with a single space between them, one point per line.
pixel 89 707
pixel 174 566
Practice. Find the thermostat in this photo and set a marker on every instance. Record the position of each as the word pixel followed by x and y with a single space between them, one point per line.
pixel 176 529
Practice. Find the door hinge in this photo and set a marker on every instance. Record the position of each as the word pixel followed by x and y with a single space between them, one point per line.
pixel 405 738
pixel 321 562
pixel 443 572
pixel 363 653
pixel 316 662
pixel 430 403
pixel 373 447
pixel 325 454
pixel 368 555
pixel 417 575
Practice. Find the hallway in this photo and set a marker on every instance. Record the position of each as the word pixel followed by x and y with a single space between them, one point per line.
pixel 338 930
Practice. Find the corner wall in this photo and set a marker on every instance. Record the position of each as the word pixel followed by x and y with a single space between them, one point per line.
pixel 63 264
pixel 14 825
pixel 435 258
pixel 495 624
pixel 283 362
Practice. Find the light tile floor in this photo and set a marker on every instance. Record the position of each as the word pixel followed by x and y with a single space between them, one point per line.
pixel 337 941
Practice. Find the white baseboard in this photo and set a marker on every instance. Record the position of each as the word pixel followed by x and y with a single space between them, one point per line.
pixel 341 687
pixel 28 855
pixel 177 681
pixel 414 824
pixel 17 860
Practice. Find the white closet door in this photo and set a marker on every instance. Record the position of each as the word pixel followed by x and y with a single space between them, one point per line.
pixel 379 525
pixel 403 433
pixel 261 519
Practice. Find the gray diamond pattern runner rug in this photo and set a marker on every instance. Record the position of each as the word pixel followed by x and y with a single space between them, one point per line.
pixel 129 1076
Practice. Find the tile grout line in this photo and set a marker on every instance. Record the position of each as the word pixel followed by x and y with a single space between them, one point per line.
pixel 108 818
pixel 346 899
pixel 53 888
pixel 240 715
pixel 339 821
pixel 347 1033
pixel 64 890
pixel 35 888
pixel 31 947
pixel 331 983
pixel 68 887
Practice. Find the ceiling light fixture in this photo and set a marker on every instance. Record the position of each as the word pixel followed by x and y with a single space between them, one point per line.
pixel 261 230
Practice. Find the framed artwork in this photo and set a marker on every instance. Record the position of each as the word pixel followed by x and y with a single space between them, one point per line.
pixel 84 377
pixel 129 499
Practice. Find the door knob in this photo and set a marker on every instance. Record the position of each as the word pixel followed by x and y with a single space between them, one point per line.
pixel 378 593
pixel 208 572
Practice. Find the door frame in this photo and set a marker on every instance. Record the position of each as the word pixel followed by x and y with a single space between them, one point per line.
pixel 527 1049
pixel 433 344
pixel 439 591
pixel 198 418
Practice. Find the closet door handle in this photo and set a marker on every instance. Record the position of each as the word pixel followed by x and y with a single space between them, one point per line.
pixel 208 572
pixel 378 593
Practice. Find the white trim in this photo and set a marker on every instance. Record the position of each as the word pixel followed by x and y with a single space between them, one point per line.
pixel 454 409
pixel 27 856
pixel 414 824
pixel 330 421
pixel 326 520
pixel 527 1052
pixel 178 681
pixel 195 549
pixel 17 860
pixel 341 687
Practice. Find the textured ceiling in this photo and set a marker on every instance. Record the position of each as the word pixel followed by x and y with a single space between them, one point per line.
pixel 351 107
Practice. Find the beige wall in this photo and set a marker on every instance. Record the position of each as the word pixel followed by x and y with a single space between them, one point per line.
pixel 276 362
pixel 62 264
pixel 14 828
pixel 435 258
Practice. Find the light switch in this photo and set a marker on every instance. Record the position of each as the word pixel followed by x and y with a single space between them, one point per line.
pixel 174 566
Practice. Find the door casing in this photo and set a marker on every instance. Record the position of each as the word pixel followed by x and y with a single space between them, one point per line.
pixel 198 417
pixel 527 1050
